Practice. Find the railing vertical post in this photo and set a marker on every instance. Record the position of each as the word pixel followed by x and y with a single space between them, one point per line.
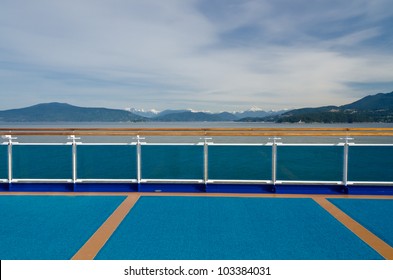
pixel 74 162
pixel 138 160
pixel 205 162
pixel 274 160
pixel 206 159
pixel 74 158
pixel 345 160
pixel 10 161
pixel 9 152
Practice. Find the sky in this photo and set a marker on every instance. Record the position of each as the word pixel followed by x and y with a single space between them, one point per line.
pixel 217 55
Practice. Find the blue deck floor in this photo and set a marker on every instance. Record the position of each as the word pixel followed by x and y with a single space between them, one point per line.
pixel 190 227
pixel 232 228
pixel 50 227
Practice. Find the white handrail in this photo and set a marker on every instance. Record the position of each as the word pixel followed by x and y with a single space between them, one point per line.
pixel 205 180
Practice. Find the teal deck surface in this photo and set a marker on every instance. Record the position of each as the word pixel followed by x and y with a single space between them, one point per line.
pixel 50 227
pixel 374 214
pixel 232 228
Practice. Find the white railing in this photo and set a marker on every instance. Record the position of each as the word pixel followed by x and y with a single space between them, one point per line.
pixel 206 143
pixel 343 136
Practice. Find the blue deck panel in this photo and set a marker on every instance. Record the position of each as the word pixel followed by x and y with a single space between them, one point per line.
pixel 106 187
pixel 370 190
pixel 375 215
pixel 239 188
pixel 4 187
pixel 194 228
pixel 50 227
pixel 41 187
pixel 172 187
pixel 309 189
pixel 197 188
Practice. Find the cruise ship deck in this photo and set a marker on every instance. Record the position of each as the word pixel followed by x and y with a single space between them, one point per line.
pixel 224 202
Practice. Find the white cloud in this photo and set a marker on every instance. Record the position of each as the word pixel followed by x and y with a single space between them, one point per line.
pixel 169 54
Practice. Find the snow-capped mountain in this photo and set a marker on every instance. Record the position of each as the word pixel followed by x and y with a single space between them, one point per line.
pixel 191 114
pixel 155 113
pixel 255 112
pixel 144 113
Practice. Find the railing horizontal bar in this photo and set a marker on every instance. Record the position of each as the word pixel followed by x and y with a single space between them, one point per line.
pixel 310 144
pixel 41 180
pixel 370 183
pixel 370 145
pixel 40 144
pixel 251 182
pixel 278 182
pixel 187 181
pixel 105 144
pixel 293 182
pixel 242 144
pixel 171 144
pixel 106 181
pixel 72 129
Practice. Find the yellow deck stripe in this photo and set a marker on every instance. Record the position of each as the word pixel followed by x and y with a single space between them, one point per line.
pixel 91 248
pixel 384 249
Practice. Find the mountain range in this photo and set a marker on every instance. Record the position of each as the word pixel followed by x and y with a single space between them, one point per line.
pixel 62 112
pixel 372 108
pixel 193 115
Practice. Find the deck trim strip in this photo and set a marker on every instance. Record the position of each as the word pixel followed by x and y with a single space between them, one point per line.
pixel 380 246
pixel 91 248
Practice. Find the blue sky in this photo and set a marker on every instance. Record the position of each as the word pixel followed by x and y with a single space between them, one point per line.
pixel 202 54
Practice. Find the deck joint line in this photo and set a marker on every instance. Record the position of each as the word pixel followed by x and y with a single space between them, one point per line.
pixel 380 246
pixel 91 248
